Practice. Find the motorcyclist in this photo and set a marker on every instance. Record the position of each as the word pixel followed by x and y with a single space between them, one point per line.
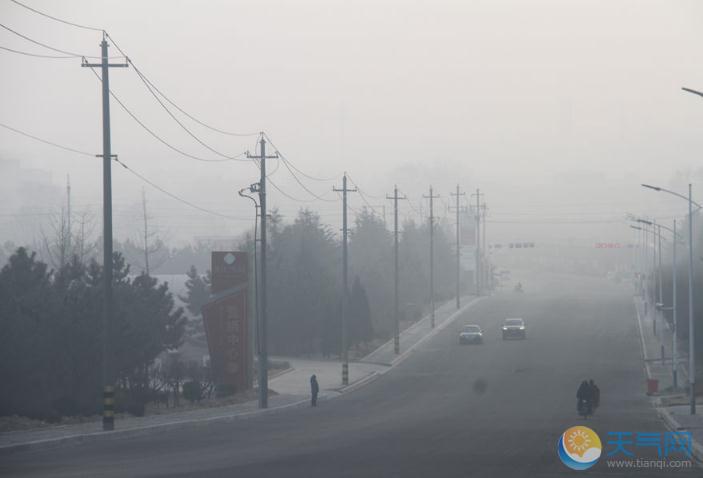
pixel 584 397
pixel 595 393
pixel 518 287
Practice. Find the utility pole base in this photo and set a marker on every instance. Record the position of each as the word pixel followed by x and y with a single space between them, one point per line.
pixel 108 408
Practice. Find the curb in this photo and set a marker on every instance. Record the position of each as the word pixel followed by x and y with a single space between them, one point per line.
pixel 361 382
pixel 664 414
pixel 445 323
pixel 417 324
pixel 137 431
pixel 673 425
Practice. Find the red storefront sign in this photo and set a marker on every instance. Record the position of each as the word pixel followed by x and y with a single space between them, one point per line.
pixel 225 318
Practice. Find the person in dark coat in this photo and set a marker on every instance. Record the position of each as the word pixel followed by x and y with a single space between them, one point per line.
pixel 314 390
pixel 584 391
pixel 595 393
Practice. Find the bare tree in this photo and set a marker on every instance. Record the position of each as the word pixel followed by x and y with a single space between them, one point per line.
pixel 153 249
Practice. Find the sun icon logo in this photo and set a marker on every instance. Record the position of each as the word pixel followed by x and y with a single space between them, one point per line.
pixel 579 448
pixel 578 442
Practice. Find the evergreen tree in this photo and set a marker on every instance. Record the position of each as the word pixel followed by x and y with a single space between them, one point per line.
pixel 360 326
pixel 198 291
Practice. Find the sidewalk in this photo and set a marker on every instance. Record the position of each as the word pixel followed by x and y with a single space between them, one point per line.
pixel 292 388
pixel 672 405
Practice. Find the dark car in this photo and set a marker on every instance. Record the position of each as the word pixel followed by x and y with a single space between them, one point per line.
pixel 471 334
pixel 514 329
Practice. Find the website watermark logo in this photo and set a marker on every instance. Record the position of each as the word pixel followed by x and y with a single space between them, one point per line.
pixel 579 448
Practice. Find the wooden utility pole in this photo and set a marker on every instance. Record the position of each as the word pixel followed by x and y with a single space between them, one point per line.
pixel 345 292
pixel 396 335
pixel 431 197
pixel 108 378
pixel 261 324
pixel 458 247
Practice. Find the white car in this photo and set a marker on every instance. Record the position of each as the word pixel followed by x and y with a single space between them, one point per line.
pixel 471 334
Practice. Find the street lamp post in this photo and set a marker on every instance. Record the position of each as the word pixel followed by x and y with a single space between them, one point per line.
pixel 674 345
pixel 674 306
pixel 691 321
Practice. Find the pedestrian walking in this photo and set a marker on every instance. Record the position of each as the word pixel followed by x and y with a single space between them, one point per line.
pixel 314 390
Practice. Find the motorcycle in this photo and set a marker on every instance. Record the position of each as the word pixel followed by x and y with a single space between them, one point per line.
pixel 584 408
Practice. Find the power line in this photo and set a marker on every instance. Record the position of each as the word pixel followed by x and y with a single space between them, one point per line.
pixel 36 138
pixel 319 198
pixel 26 53
pixel 289 167
pixel 55 18
pixel 58 50
pixel 161 140
pixel 170 194
pixel 140 176
pixel 362 195
pixel 314 178
pixel 151 85
pixel 174 117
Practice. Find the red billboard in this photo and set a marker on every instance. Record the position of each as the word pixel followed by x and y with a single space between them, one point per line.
pixel 226 322
pixel 229 270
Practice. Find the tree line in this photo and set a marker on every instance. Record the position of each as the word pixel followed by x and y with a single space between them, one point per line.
pixel 304 264
pixel 51 345
pixel 51 316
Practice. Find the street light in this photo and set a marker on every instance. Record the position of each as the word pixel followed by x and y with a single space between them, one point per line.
pixel 654 262
pixel 676 238
pixel 640 262
pixel 691 321
pixel 689 90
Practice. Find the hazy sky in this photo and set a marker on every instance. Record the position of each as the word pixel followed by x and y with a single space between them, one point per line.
pixel 556 109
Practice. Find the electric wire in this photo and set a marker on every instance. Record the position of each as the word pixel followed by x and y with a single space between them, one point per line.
pixel 363 197
pixel 290 169
pixel 55 18
pixel 41 140
pixel 37 55
pixel 314 178
pixel 169 100
pixel 161 140
pixel 156 97
pixel 171 195
pixel 49 47
pixel 135 173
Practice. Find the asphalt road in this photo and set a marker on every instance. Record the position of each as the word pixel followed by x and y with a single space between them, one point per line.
pixel 493 410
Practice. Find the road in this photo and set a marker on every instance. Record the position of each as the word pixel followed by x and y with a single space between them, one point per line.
pixel 493 410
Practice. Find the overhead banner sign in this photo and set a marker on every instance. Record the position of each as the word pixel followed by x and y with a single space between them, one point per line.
pixel 226 321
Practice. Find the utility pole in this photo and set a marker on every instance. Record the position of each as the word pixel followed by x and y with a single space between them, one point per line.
pixel 261 325
pixel 659 272
pixel 484 248
pixel 478 195
pixel 146 233
pixel 458 247
pixel 108 378
pixel 68 216
pixel 691 315
pixel 345 352
pixel 432 197
pixel 396 334
pixel 674 333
